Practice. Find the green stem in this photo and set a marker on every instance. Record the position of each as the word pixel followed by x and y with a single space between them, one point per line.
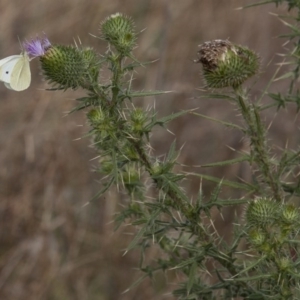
pixel 258 141
pixel 116 79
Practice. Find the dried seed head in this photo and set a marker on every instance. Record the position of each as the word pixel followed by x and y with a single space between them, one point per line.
pixel 226 64
pixel 211 53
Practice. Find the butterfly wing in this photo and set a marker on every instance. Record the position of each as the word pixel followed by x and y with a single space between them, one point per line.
pixel 20 76
pixel 6 67
pixel 7 85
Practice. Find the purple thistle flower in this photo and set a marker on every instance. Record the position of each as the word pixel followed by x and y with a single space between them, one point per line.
pixel 46 44
pixel 36 47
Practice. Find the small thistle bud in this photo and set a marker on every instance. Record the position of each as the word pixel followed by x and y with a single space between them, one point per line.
pixel 225 64
pixel 130 152
pixel 103 126
pixel 257 237
pixel 284 264
pixel 106 166
pixel 130 176
pixel 290 214
pixel 157 168
pixel 118 30
pixel 138 118
pixel 261 212
pixel 96 116
pixel 91 59
pixel 67 66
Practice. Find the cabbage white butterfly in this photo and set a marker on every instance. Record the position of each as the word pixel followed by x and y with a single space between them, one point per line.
pixel 15 72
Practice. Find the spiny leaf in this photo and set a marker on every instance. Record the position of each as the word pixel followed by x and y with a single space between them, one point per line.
pixel 171 117
pixel 250 267
pixel 227 124
pixel 231 202
pixel 146 93
pixel 227 162
pixel 233 184
pixel 143 230
pixel 107 185
pixel 218 96
pixel 250 278
pixel 256 4
pixel 192 276
pixel 172 152
pixel 131 66
pixel 164 120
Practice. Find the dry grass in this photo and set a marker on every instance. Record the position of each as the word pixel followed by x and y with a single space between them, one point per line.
pixel 53 247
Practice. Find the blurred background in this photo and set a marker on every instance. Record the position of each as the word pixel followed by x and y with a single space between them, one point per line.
pixel 52 245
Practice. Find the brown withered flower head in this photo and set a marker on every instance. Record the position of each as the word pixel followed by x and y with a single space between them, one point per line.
pixel 226 64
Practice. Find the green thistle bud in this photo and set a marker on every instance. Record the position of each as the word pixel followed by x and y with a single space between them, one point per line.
pixel 290 214
pixel 284 264
pixel 103 126
pixel 225 64
pixel 67 66
pixel 257 237
pixel 96 116
pixel 261 212
pixel 157 168
pixel 130 152
pixel 106 166
pixel 118 30
pixel 138 118
pixel 92 62
pixel 130 176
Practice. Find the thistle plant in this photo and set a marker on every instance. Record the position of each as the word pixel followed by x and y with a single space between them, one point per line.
pixel 261 260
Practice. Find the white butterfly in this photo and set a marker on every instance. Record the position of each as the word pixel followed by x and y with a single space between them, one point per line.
pixel 15 72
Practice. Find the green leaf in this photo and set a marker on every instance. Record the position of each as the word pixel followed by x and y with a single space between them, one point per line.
pixel 164 120
pixel 218 96
pixel 250 267
pixel 143 230
pixel 256 4
pixel 231 202
pixel 233 184
pixel 146 93
pixel 192 276
pixel 227 162
pixel 215 193
pixel 137 282
pixel 171 117
pixel 170 185
pixel 136 64
pixel 188 262
pixel 172 152
pixel 227 124
pixel 102 191
pixel 250 278
pixel 285 76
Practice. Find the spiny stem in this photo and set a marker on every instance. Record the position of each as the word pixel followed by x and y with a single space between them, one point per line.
pixel 117 74
pixel 257 138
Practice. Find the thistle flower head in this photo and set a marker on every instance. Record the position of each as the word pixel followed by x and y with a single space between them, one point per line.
pixel 290 215
pixel 70 67
pixel 262 212
pixel 257 237
pixel 118 30
pixel 36 47
pixel 226 64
